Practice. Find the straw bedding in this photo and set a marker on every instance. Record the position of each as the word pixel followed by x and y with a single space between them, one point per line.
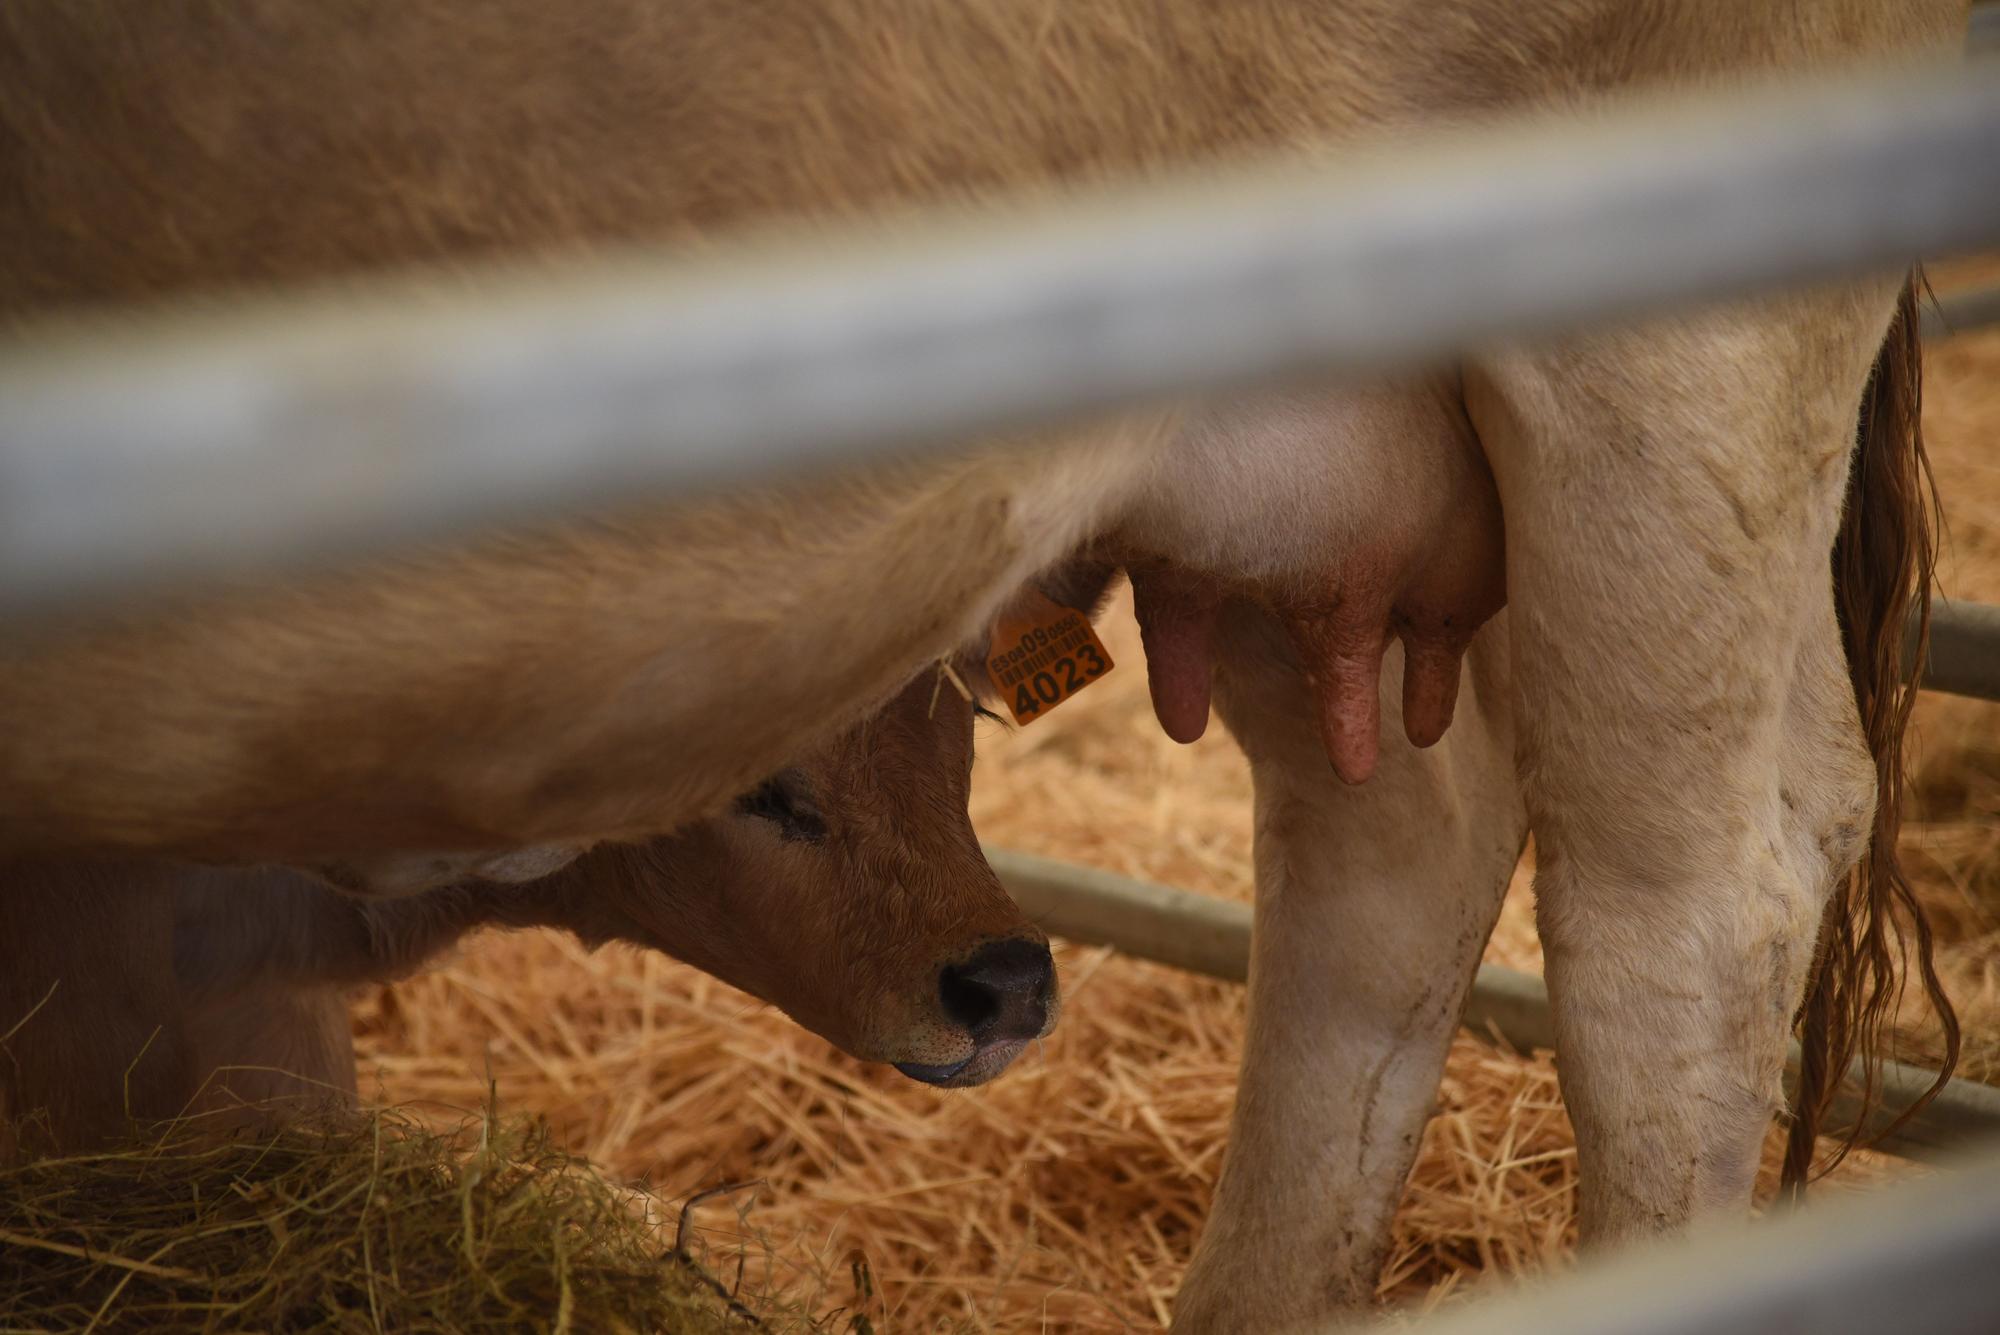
pixel 355 1223
pixel 1068 1195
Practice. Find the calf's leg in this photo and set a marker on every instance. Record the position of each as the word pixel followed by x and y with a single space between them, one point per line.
pixel 273 1050
pixel 88 1005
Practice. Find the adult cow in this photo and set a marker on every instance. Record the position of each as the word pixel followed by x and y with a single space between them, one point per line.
pixel 1672 713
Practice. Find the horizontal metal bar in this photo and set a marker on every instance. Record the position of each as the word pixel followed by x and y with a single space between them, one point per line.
pixel 1964 656
pixel 1198 933
pixel 1962 312
pixel 1211 936
pixel 1985 27
pixel 153 451
pixel 1914 1257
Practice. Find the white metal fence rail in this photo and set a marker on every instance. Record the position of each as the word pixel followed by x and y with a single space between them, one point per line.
pixel 1963 312
pixel 327 426
pixel 1914 1260
pixel 1211 936
pixel 1985 27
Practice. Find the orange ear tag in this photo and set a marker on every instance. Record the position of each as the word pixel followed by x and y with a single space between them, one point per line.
pixel 1042 653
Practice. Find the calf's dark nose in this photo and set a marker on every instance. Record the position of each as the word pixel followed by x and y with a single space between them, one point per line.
pixel 1002 992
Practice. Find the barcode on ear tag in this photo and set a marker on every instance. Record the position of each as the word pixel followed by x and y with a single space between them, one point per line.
pixel 1042 653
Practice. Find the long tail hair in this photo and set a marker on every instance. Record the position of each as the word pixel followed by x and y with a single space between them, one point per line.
pixel 1882 565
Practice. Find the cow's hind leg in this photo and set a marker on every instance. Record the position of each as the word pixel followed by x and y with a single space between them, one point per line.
pixel 1689 750
pixel 1373 905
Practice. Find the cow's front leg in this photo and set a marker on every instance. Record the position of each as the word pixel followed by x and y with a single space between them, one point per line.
pixel 1373 904
pixel 1689 749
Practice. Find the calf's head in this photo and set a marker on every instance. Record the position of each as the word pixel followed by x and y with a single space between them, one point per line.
pixel 850 891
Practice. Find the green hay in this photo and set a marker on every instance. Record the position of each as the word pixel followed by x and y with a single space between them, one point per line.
pixel 366 1223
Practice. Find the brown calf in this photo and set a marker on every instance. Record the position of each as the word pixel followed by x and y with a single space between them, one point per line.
pixel 848 890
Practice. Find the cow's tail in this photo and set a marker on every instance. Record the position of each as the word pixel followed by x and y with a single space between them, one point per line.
pixel 1882 564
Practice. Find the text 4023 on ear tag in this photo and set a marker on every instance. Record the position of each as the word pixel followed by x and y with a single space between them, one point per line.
pixel 1042 654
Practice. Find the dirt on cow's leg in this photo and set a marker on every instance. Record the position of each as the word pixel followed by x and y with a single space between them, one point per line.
pixel 87 1005
pixel 1373 905
pixel 1691 759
